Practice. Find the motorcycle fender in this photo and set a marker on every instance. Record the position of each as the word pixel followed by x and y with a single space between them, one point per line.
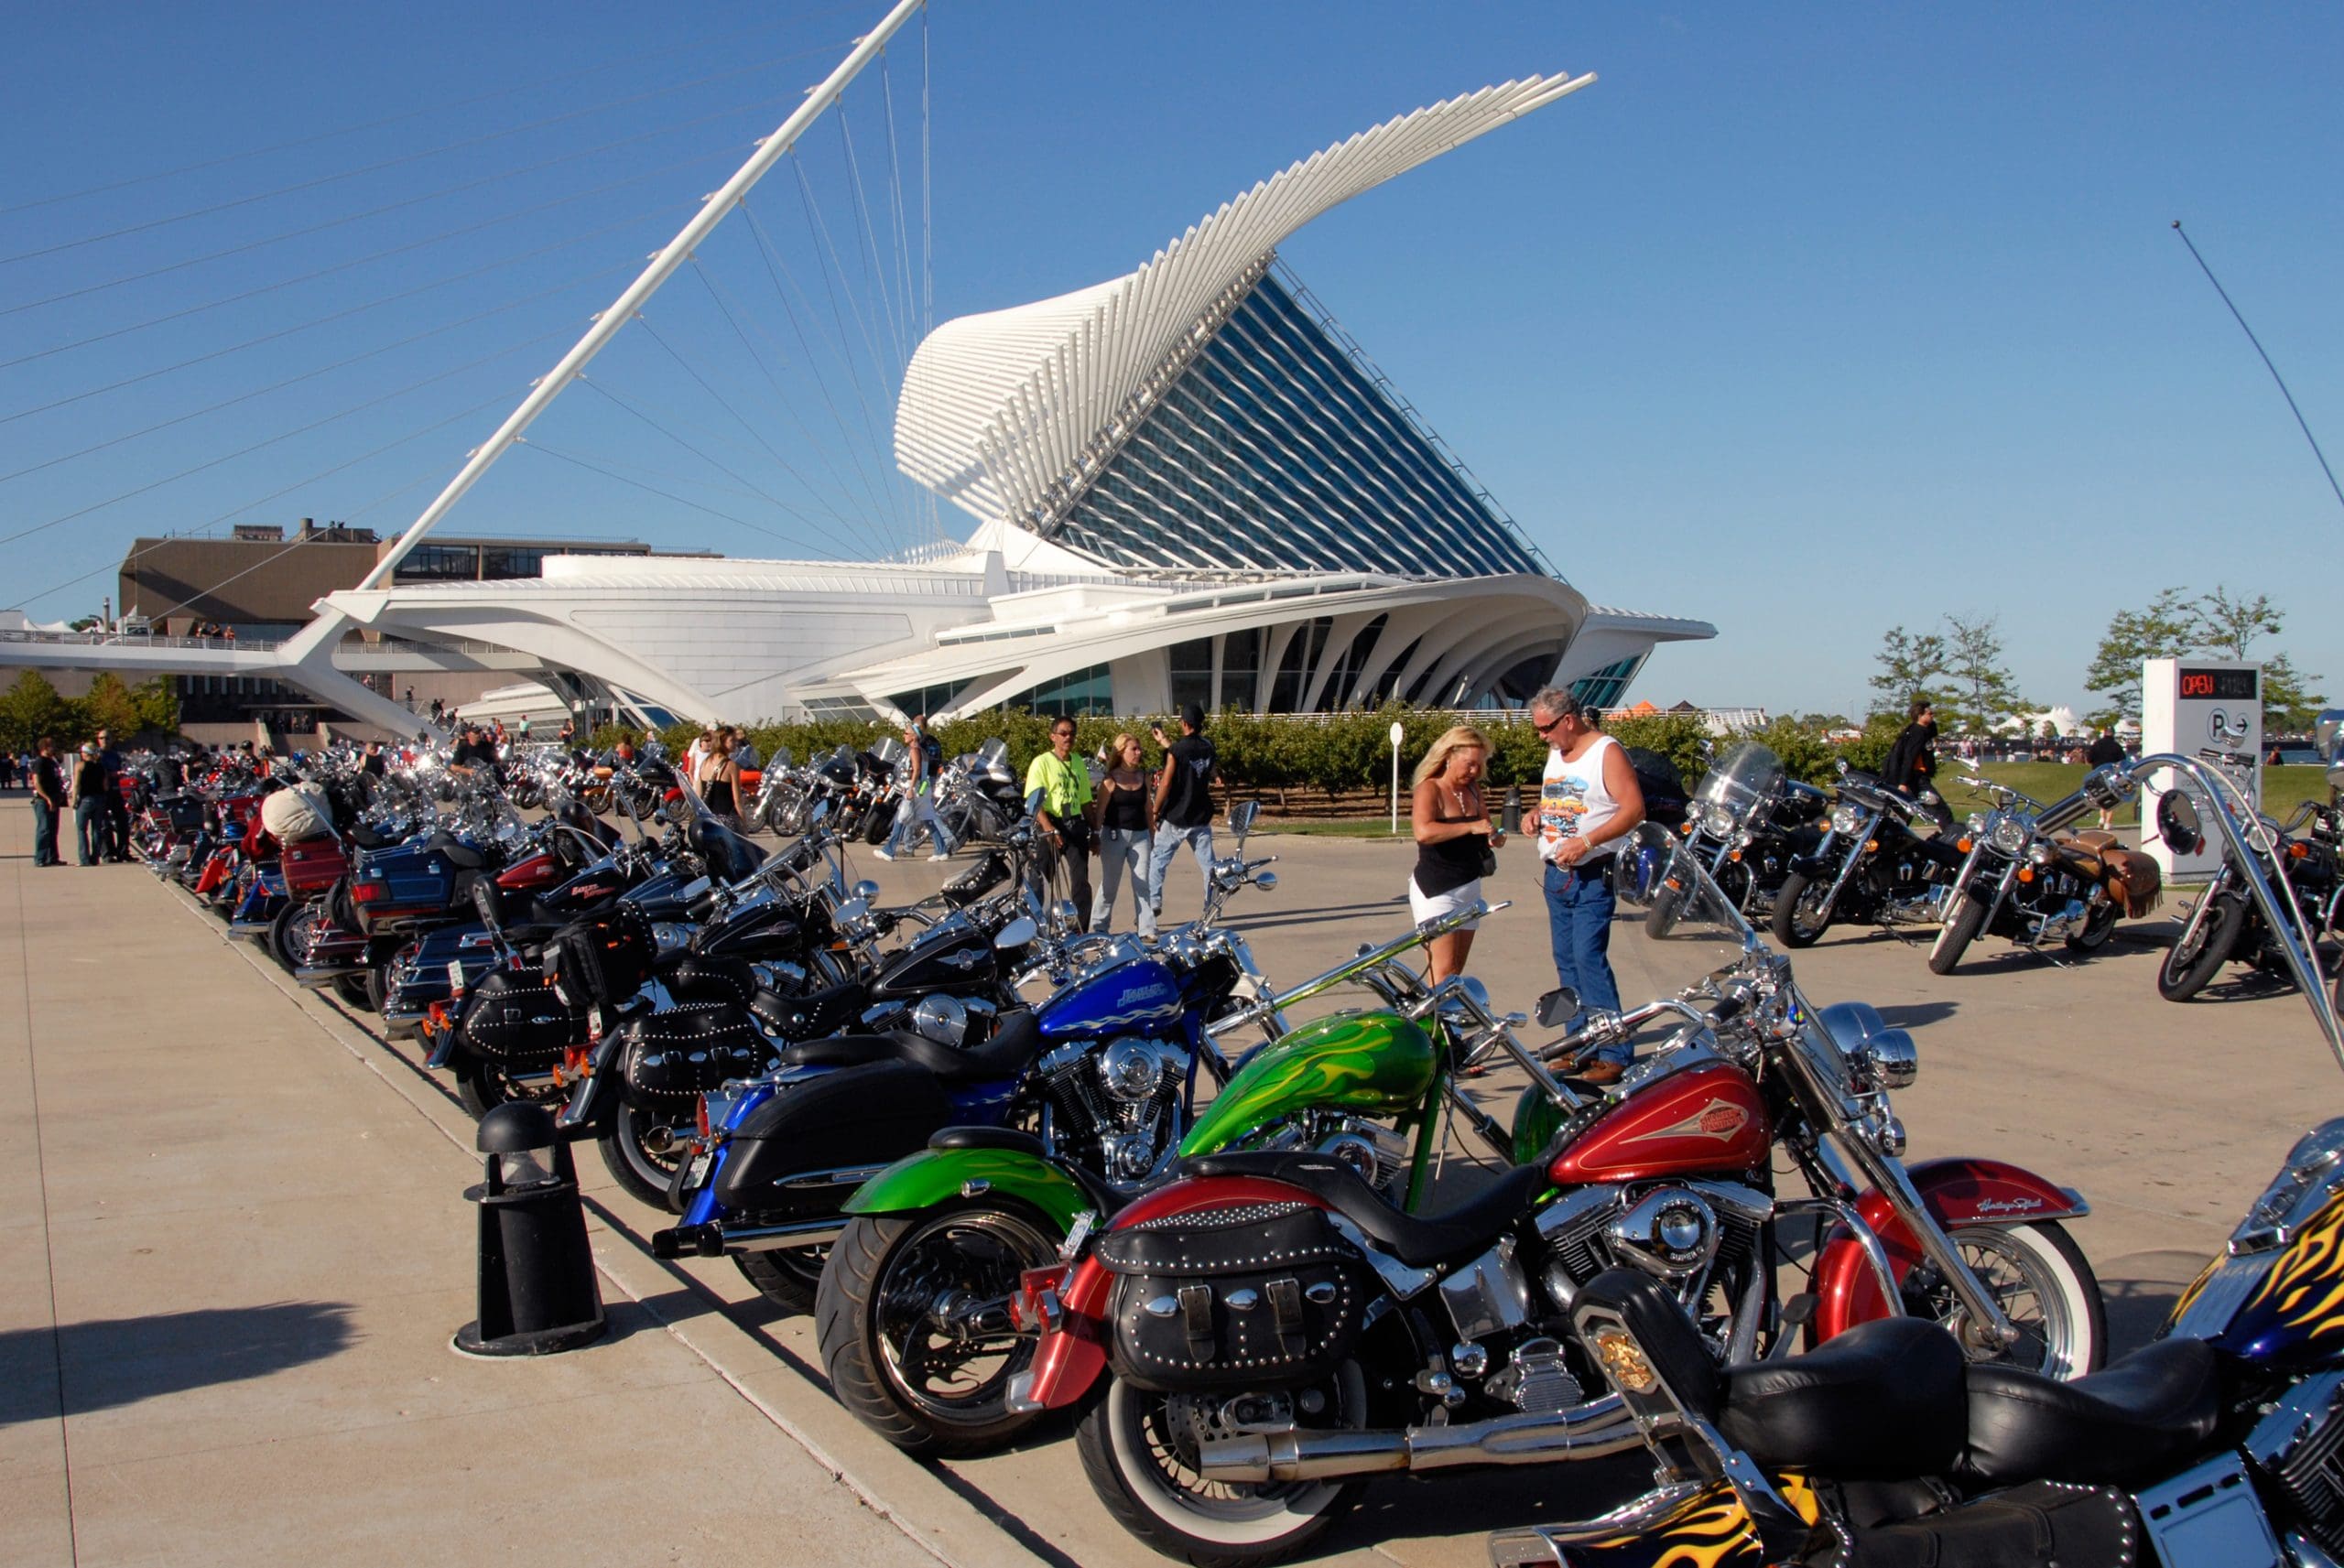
pixel 445 1047
pixel 1959 1191
pixel 934 1176
pixel 1821 863
pixel 1073 1356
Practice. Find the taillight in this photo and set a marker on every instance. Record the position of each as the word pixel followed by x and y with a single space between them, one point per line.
pixel 580 1061
pixel 368 892
pixel 700 1117
pixel 1035 1303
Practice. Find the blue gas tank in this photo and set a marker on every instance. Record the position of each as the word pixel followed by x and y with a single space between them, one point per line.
pixel 1139 995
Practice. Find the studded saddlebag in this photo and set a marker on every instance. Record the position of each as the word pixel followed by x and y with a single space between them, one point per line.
pixel 672 1058
pixel 1264 1295
pixel 515 1018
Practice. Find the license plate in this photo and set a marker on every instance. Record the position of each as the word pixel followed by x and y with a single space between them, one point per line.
pixel 697 1171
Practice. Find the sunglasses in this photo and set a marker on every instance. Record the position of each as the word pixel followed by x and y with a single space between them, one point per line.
pixel 1550 726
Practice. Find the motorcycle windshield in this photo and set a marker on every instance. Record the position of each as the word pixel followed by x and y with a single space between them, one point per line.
pixel 1689 930
pixel 1745 773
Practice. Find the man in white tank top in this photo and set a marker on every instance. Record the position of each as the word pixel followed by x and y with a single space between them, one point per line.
pixel 1588 800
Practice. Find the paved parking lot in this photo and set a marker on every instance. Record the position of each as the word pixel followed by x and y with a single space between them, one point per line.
pixel 233 1248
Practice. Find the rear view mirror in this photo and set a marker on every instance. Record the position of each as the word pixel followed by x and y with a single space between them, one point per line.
pixel 1242 816
pixel 2178 824
pixel 1557 1008
pixel 1019 933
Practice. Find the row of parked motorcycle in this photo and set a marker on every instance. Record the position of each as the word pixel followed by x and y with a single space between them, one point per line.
pixel 1800 859
pixel 1015 1169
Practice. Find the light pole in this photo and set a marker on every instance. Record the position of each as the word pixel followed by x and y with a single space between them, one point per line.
pixel 1396 733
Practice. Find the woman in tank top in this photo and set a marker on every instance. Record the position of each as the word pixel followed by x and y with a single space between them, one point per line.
pixel 720 780
pixel 1454 842
pixel 1126 809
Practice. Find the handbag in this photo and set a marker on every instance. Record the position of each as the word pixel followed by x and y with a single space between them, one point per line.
pixel 1489 858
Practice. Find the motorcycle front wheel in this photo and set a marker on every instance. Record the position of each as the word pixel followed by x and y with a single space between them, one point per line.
pixel 1954 938
pixel 2039 1277
pixel 289 934
pixel 2202 949
pixel 1802 911
pixel 1140 1450
pixel 913 1316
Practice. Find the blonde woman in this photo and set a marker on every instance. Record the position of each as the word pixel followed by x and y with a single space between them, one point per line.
pixel 1127 833
pixel 1455 843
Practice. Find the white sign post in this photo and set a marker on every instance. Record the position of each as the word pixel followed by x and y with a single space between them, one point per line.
pixel 1396 733
pixel 2193 705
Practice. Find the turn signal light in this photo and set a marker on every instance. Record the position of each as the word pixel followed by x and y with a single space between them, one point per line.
pixel 2026 873
pixel 2298 851
pixel 1963 845
pixel 1871 846
pixel 368 892
pixel 700 1116
pixel 1735 857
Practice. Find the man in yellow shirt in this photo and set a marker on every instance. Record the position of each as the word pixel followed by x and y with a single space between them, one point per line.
pixel 1063 811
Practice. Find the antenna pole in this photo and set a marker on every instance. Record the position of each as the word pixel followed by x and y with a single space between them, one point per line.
pixel 2251 338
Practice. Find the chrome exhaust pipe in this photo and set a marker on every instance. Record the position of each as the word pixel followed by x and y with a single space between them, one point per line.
pixel 1592 1430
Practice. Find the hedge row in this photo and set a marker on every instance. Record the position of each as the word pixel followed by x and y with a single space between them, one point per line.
pixel 1339 753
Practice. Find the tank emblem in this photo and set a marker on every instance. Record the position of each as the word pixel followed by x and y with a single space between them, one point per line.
pixel 1719 1120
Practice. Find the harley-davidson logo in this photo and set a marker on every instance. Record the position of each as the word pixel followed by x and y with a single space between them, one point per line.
pixel 1719 1120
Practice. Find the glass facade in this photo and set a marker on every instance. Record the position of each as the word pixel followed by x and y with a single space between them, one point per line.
pixel 1079 695
pixel 927 699
pixel 1603 688
pixel 1191 671
pixel 1241 669
pixel 1274 450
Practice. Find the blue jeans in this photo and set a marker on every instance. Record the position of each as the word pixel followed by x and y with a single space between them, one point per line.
pixel 1578 921
pixel 1168 840
pixel 90 829
pixel 44 833
pixel 913 815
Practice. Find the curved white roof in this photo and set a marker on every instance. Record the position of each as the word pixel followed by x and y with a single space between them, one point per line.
pixel 997 406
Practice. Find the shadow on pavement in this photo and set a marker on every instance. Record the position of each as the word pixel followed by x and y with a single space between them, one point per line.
pixel 1917 1015
pixel 121 1361
pixel 2140 1288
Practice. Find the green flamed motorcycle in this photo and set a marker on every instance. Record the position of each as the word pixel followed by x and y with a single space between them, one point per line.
pixel 913 1308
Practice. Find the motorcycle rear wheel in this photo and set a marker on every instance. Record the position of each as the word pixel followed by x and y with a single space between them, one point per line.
pixel 640 1174
pixel 2099 925
pixel 1800 915
pixel 1138 1449
pixel 289 934
pixel 1955 937
pixel 2204 946
pixel 354 992
pixel 890 1363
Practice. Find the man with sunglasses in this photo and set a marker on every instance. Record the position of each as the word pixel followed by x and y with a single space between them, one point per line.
pixel 1063 811
pixel 1587 801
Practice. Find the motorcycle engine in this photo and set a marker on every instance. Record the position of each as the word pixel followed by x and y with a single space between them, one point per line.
pixel 1110 1103
pixel 1681 1233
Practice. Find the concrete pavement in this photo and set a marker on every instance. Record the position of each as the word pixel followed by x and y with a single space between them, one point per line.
pixel 231 1248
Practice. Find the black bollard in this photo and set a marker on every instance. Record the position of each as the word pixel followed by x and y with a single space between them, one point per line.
pixel 1510 819
pixel 537 1294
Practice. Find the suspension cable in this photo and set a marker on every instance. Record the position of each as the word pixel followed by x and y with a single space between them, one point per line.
pixel 680 500
pixel 756 490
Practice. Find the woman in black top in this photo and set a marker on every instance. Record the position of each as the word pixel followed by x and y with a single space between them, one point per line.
pixel 1455 843
pixel 1127 833
pixel 720 780
pixel 90 805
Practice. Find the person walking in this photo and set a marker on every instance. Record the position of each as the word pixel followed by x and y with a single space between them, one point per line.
pixel 1587 799
pixel 1126 837
pixel 1456 845
pixel 923 756
pixel 1183 803
pixel 1064 811
pixel 48 801
pixel 89 801
pixel 2105 753
pixel 1911 766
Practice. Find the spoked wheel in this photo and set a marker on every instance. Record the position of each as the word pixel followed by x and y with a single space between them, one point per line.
pixel 2203 947
pixel 2099 925
pixel 2038 1276
pixel 1141 1451
pixel 915 1324
pixel 642 1151
pixel 1802 911
pixel 482 1086
pixel 288 934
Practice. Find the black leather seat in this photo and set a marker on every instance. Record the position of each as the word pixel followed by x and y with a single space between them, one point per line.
pixel 461 855
pixel 1421 1242
pixel 1002 1056
pixel 2114 1427
pixel 366 837
pixel 816 1013
pixel 1883 1402
pixel 697 978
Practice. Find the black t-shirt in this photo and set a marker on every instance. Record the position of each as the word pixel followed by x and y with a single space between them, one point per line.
pixel 2106 750
pixel 48 782
pixel 1190 803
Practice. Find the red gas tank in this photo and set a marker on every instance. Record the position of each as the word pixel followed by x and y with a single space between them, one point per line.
pixel 530 873
pixel 1704 1120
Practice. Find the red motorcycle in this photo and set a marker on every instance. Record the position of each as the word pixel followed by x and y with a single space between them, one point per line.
pixel 1272 1331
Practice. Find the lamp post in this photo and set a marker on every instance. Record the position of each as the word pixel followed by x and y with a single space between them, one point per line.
pixel 1396 733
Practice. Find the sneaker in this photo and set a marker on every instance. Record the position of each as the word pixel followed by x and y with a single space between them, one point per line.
pixel 940 855
pixel 883 854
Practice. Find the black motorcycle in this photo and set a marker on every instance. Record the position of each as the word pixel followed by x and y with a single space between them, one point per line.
pixel 1748 822
pixel 1872 866
pixel 2025 878
pixel 2301 858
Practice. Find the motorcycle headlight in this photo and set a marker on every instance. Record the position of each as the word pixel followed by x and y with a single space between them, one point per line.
pixel 1717 821
pixel 2008 835
pixel 1846 819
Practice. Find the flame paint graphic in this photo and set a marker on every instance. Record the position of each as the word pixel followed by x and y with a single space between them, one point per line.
pixel 2305 1290
pixel 1718 1530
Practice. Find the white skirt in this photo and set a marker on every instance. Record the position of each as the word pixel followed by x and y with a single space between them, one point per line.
pixel 1435 906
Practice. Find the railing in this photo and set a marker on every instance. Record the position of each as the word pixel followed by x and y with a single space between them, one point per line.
pixel 139 640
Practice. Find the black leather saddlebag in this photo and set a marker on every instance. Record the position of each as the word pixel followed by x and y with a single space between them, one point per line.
pixel 1264 1295
pixel 2043 1521
pixel 672 1058
pixel 604 958
pixel 515 1019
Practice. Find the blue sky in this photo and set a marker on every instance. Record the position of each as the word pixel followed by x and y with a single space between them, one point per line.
pixel 1804 319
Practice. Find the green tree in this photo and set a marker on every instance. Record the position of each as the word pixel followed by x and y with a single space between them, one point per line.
pixel 2166 630
pixel 2229 626
pixel 31 708
pixel 109 706
pixel 1910 664
pixel 158 702
pixel 1983 692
